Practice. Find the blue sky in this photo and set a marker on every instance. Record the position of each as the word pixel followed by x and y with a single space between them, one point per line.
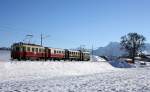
pixel 71 23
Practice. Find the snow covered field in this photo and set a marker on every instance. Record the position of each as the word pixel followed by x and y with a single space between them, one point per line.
pixel 26 76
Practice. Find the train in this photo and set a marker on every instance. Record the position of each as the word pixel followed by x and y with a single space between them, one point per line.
pixel 28 51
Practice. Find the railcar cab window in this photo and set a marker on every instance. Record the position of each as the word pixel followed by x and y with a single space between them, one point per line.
pixel 17 49
pixel 39 50
pixel 42 50
pixel 36 49
pixel 28 49
pixel 24 48
pixel 32 49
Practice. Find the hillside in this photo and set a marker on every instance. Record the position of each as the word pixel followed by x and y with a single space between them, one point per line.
pixel 114 49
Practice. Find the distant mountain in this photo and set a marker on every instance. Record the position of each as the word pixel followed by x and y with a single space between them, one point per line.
pixel 146 49
pixel 114 49
pixel 4 48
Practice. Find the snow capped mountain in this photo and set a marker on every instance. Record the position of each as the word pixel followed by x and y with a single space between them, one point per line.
pixel 147 49
pixel 114 49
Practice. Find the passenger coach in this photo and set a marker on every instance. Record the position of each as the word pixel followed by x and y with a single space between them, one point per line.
pixel 24 51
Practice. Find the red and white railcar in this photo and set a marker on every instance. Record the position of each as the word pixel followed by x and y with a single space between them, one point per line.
pixel 55 53
pixel 27 51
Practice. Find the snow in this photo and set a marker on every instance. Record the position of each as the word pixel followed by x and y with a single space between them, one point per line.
pixel 26 70
pixel 126 80
pixel 120 64
pixel 82 76
pixel 12 70
pixel 97 58
pixel 116 63
pixel 4 55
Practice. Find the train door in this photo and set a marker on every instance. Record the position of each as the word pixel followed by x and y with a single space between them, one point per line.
pixel 66 54
pixel 46 53
pixel 24 52
pixel 81 56
pixel 49 53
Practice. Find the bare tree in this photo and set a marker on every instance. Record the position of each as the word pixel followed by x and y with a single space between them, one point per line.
pixel 132 43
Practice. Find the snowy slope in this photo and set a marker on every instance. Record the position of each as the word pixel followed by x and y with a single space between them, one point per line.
pixel 120 64
pixel 39 76
pixel 97 58
pixel 25 70
pixel 125 80
pixel 4 55
pixel 40 69
pixel 11 70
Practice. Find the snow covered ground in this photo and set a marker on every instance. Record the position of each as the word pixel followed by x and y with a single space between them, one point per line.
pixel 4 55
pixel 12 70
pixel 38 76
pixel 126 80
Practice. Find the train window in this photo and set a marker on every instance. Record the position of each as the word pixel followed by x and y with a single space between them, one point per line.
pixel 17 49
pixel 36 49
pixel 54 51
pixel 32 49
pixel 59 51
pixel 39 50
pixel 28 49
pixel 24 48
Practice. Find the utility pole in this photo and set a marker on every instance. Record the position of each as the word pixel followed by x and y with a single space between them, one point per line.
pixel 41 40
pixel 28 38
pixel 92 52
pixel 43 37
pixel 92 49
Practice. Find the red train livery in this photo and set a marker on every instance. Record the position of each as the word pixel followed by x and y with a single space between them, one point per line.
pixel 24 51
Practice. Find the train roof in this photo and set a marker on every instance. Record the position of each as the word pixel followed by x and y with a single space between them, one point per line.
pixel 21 43
pixel 74 50
pixel 86 52
pixel 55 48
